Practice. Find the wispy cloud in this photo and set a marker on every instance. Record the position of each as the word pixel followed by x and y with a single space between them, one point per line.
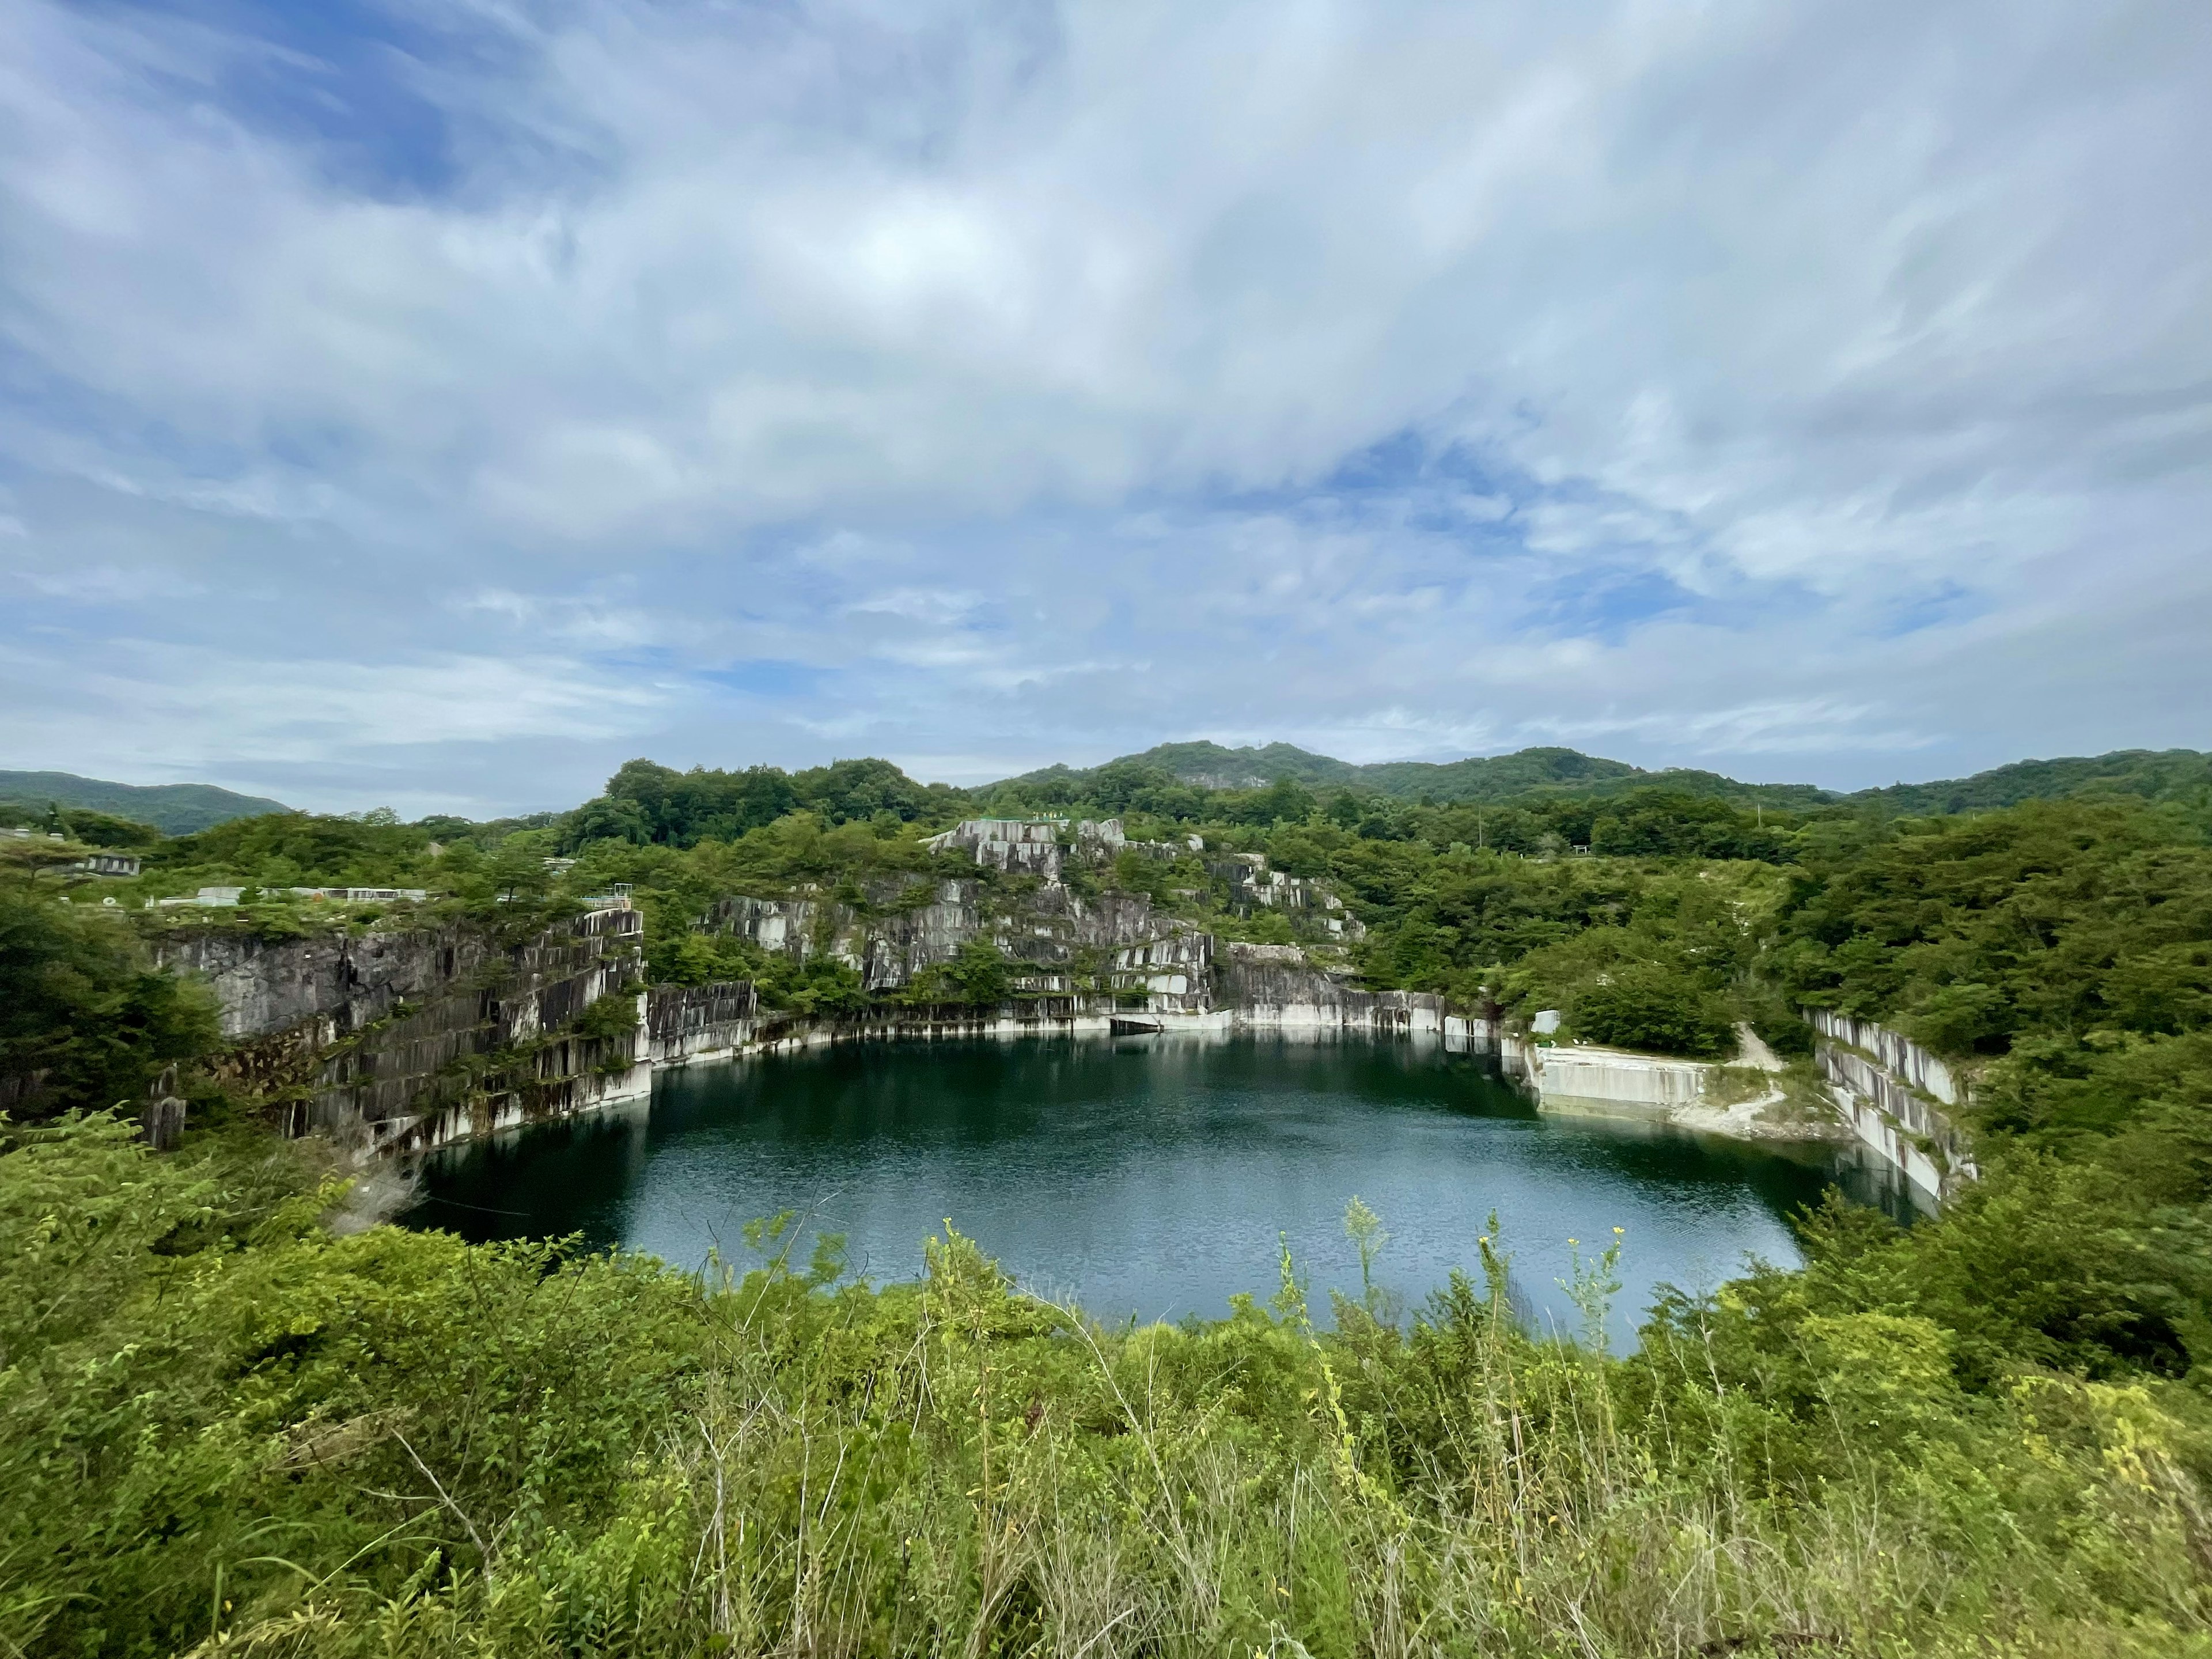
pixel 1820 391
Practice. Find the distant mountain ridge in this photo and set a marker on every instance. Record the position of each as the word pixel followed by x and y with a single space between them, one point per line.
pixel 174 809
pixel 1477 778
pixel 2156 774
pixel 2151 774
pixel 179 809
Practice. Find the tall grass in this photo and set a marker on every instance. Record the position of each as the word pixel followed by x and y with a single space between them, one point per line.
pixel 954 1468
pixel 222 1430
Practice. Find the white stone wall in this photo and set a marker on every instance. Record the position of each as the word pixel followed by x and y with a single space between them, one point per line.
pixel 1891 1092
pixel 1905 1059
pixel 1616 1076
pixel 1033 845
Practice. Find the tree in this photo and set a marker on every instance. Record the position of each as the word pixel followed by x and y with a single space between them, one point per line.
pixel 1658 1008
pixel 83 1010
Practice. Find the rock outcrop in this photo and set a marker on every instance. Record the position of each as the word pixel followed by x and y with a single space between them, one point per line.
pixel 1040 846
pixel 414 1036
pixel 1274 985
pixel 404 1038
pixel 896 932
pixel 1892 1092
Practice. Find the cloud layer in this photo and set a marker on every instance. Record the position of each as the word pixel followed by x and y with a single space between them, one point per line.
pixel 439 403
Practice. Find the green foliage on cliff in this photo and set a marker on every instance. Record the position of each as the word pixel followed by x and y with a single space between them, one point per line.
pixel 83 1010
pixel 649 804
pixel 1655 1007
pixel 79 824
pixel 2180 776
pixel 979 975
pixel 285 849
pixel 1970 932
pixel 2064 951
pixel 222 1429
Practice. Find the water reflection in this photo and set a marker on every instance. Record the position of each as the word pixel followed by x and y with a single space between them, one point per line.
pixel 1149 1176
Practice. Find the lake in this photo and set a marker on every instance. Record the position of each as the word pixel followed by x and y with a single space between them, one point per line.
pixel 1150 1176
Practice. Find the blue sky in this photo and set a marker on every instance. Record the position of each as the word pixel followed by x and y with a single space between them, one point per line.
pixel 436 404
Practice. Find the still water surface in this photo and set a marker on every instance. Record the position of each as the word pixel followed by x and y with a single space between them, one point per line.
pixel 1147 1177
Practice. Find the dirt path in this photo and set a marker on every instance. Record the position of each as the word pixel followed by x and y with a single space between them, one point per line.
pixel 1746 1120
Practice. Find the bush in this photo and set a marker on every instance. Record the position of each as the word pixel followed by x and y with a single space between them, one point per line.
pixel 81 1002
pixel 222 1430
pixel 1656 1008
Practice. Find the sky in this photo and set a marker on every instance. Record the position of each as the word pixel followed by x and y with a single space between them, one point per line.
pixel 436 403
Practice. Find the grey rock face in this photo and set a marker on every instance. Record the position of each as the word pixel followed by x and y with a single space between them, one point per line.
pixel 1047 929
pixel 410 1038
pixel 415 1037
pixel 1274 985
pixel 682 1021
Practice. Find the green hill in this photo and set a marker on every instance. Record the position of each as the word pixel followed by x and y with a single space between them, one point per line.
pixel 2168 774
pixel 1213 767
pixel 176 809
pixel 1479 778
pixel 2151 775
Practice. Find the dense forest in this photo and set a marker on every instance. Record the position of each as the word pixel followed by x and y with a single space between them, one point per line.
pixel 228 1427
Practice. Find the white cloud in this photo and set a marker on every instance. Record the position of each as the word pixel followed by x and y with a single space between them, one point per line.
pixel 1730 383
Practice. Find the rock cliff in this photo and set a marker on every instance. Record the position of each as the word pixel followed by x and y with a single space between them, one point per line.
pixel 414 1036
pixel 404 1038
pixel 1891 1091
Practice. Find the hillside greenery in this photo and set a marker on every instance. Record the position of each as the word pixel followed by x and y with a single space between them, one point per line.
pixel 225 1428
pixel 2174 774
pixel 229 1430
pixel 172 808
pixel 2182 775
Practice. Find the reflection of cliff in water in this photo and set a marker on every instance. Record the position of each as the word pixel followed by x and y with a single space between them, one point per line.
pixel 1150 1176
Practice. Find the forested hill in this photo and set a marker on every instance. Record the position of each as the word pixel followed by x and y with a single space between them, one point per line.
pixel 2150 774
pixel 232 1429
pixel 649 802
pixel 2166 774
pixel 175 809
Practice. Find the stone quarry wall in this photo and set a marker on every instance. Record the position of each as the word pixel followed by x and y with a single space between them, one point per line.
pixel 1252 885
pixel 266 986
pixel 902 930
pixel 1039 846
pixel 684 1023
pixel 1614 1077
pixel 1273 985
pixel 413 1037
pixel 1173 972
pixel 1891 1092
pixel 408 1039
pixel 1176 980
pixel 1905 1060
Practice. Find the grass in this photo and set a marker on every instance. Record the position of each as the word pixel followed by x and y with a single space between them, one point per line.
pixel 228 1431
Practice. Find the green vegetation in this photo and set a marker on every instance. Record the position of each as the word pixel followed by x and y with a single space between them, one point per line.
pixel 655 805
pixel 80 823
pixel 85 1020
pixel 224 1428
pixel 2180 775
pixel 227 1428
pixel 2170 774
pixel 1483 778
pixel 175 809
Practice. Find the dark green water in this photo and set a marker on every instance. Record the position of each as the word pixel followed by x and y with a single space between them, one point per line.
pixel 1145 1175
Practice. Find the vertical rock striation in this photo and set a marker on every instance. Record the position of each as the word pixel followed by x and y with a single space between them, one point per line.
pixel 1892 1092
pixel 415 1037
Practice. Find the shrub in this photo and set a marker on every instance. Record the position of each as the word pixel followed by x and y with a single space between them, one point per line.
pixel 1656 1008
